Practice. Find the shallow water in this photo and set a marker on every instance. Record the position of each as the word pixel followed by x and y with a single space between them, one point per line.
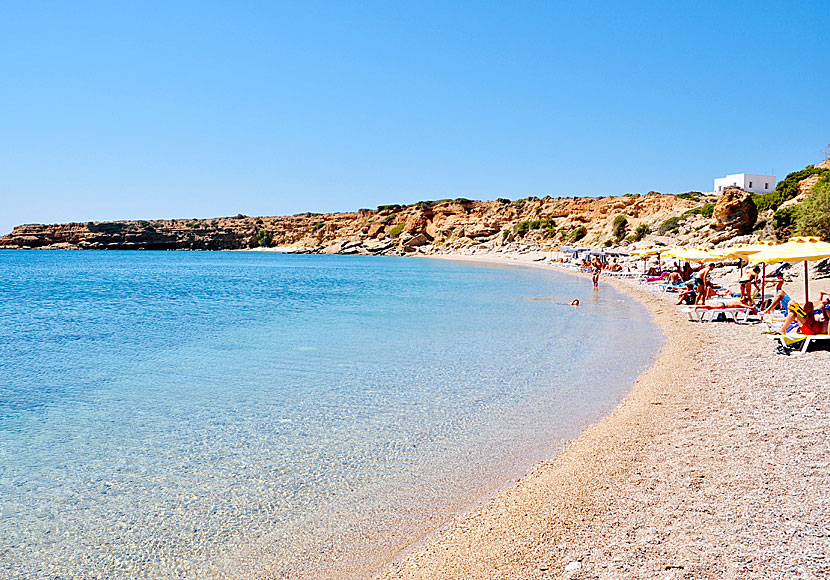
pixel 224 415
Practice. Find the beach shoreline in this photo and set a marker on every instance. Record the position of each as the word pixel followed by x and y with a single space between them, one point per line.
pixel 610 504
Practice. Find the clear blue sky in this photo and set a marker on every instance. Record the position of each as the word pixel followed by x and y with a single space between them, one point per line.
pixel 114 110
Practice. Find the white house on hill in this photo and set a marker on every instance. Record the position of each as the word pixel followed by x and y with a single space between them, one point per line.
pixel 747 182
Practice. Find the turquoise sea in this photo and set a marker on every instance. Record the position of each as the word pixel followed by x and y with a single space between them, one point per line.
pixel 237 414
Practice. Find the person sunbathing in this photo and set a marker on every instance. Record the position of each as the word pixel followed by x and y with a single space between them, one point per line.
pixel 735 303
pixel 805 316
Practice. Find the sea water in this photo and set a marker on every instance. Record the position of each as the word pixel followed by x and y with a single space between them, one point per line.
pixel 238 414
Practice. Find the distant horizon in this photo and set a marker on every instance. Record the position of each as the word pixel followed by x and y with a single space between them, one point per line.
pixel 180 109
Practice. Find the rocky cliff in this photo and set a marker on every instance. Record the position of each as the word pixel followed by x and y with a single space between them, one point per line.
pixel 389 229
pixel 449 225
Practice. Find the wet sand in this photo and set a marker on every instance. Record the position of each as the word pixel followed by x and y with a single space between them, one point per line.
pixel 715 465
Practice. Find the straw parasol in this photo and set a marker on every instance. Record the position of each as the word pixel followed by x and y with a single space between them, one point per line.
pixel 796 249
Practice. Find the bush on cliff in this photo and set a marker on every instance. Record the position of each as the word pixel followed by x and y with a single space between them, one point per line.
pixel 704 210
pixel 619 227
pixel 670 225
pixel 395 231
pixel 812 216
pixel 264 238
pixel 642 231
pixel 691 195
pixel 783 222
pixel 545 223
pixel 578 233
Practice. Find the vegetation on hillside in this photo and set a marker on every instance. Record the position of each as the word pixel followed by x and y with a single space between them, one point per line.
pixel 264 238
pixel 812 216
pixel 544 223
pixel 786 189
pixel 619 227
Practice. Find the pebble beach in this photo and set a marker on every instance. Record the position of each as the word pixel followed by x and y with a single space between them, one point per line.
pixel 715 465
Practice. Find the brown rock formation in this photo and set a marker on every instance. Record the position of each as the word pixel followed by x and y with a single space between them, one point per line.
pixel 735 210
pixel 392 229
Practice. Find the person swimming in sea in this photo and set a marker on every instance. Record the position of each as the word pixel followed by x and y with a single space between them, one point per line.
pixel 575 302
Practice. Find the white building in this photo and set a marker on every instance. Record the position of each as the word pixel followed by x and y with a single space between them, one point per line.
pixel 747 182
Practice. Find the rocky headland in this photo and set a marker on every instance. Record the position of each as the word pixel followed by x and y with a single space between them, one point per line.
pixel 455 225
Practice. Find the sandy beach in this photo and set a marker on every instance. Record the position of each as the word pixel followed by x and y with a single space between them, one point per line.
pixel 715 465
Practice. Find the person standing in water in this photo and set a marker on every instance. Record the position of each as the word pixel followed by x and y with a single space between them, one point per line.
pixel 595 273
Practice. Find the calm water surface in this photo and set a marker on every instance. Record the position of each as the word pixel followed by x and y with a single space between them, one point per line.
pixel 225 415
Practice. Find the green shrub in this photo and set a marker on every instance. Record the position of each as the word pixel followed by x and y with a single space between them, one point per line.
pixel 704 210
pixel 264 237
pixel 392 207
pixel 641 232
pixel 670 225
pixel 786 189
pixel 317 226
pixel 503 200
pixel 258 221
pixel 545 223
pixel 692 195
pixel 759 225
pixel 395 231
pixel 423 205
pixel 619 227
pixel 812 218
pixel 783 221
pixel 578 233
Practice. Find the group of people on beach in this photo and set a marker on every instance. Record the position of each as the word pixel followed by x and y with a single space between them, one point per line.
pixel 697 287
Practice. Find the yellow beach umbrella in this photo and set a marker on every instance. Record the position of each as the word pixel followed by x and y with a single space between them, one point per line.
pixel 649 252
pixel 744 250
pixel 797 249
pixel 694 254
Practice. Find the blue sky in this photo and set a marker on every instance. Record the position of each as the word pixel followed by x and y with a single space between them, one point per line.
pixel 116 110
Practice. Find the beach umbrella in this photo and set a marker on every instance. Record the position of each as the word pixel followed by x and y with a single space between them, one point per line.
pixel 796 249
pixel 694 254
pixel 645 252
pixel 742 251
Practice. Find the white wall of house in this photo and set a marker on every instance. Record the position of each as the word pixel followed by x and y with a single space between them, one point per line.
pixel 747 181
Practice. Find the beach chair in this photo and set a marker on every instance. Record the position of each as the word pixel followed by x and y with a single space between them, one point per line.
pixel 733 313
pixel 791 338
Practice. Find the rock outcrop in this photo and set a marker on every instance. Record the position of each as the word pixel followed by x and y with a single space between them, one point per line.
pixel 735 210
pixel 390 229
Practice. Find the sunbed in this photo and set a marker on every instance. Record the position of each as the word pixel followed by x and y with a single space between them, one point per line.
pixel 735 313
pixel 793 337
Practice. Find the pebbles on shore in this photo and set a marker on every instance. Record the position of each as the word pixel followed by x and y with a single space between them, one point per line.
pixel 716 465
